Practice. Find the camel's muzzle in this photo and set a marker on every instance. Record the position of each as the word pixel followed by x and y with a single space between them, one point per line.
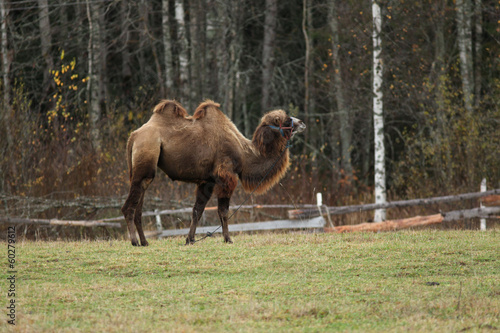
pixel 298 126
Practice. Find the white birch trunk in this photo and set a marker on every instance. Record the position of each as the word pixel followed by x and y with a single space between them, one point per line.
pixel 378 113
pixel 167 46
pixel 465 50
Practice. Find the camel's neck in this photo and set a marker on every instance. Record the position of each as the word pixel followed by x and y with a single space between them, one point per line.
pixel 264 169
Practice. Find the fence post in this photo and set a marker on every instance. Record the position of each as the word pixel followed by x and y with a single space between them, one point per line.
pixel 483 220
pixel 319 203
pixel 159 227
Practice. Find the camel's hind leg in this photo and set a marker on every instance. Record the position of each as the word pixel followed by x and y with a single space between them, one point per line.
pixel 203 194
pixel 138 221
pixel 132 210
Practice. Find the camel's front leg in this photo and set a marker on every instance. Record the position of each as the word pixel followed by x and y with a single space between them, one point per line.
pixel 223 209
pixel 203 194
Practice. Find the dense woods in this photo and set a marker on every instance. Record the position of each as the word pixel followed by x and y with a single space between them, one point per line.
pixel 79 75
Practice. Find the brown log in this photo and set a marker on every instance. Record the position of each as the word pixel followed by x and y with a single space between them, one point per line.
pixel 491 200
pixel 417 221
pixel 389 225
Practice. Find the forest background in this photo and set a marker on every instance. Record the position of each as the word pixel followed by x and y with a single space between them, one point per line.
pixel 78 76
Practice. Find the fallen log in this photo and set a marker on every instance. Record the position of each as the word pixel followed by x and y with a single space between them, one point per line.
pixel 308 213
pixel 389 225
pixel 491 200
pixel 21 220
pixel 416 221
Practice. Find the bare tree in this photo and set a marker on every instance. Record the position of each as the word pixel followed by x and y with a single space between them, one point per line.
pixel 167 47
pixel 478 27
pixel 6 63
pixel 46 44
pixel 465 50
pixel 307 65
pixel 94 63
pixel 268 51
pixel 378 112
pixel 182 44
pixel 338 86
pixel 125 52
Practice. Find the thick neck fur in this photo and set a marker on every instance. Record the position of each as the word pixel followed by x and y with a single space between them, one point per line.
pixel 267 157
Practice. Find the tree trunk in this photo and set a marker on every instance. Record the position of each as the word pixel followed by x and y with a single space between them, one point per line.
pixel 94 61
pixel 183 53
pixel 234 40
pixel 6 63
pixel 477 46
pixel 338 86
pixel 307 61
pixel 46 44
pixel 167 46
pixel 198 50
pixel 189 93
pixel 465 50
pixel 378 113
pixel 125 52
pixel 103 54
pixel 271 10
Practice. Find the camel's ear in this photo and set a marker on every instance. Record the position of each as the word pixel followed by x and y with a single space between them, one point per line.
pixel 263 138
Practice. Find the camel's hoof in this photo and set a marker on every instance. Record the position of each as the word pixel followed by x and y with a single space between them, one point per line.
pixel 189 241
pixel 135 243
pixel 145 243
pixel 228 241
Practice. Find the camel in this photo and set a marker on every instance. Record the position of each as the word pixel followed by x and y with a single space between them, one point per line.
pixel 206 149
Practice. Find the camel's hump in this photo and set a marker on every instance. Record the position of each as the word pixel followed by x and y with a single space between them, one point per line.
pixel 201 110
pixel 170 107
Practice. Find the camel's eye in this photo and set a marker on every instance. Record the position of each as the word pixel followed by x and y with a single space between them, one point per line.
pixel 277 121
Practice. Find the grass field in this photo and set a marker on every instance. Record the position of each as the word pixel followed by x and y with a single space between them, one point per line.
pixel 442 281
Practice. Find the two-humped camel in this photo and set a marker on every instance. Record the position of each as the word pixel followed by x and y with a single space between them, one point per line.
pixel 206 149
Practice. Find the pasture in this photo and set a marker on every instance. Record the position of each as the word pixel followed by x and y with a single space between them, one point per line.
pixel 426 280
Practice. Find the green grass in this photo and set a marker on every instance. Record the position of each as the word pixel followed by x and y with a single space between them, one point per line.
pixel 266 282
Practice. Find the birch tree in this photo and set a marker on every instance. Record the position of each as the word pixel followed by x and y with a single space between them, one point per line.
pixel 378 112
pixel 465 50
pixel 338 86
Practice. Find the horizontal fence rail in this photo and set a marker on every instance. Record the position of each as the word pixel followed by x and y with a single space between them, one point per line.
pixel 307 213
pixel 315 223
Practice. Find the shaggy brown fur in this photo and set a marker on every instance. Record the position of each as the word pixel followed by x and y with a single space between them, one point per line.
pixel 206 149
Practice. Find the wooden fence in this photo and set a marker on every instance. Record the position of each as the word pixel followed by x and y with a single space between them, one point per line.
pixel 308 216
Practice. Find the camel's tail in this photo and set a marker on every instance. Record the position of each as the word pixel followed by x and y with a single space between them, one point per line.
pixel 170 107
pixel 129 157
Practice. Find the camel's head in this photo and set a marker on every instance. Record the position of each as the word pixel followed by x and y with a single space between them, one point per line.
pixel 282 123
pixel 276 126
